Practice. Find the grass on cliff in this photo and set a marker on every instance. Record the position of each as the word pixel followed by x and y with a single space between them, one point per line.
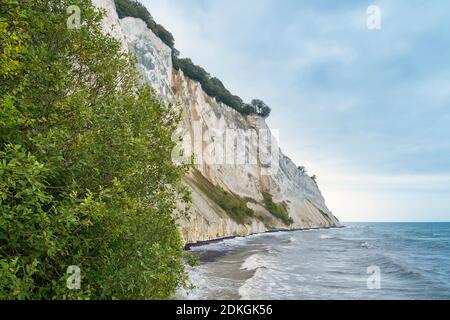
pixel 277 210
pixel 323 213
pixel 326 216
pixel 232 204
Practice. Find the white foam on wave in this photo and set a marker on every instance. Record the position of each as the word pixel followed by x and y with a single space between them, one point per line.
pixel 310 230
pixel 367 245
pixel 258 263
pixel 326 236
pixel 246 290
pixel 266 283
pixel 253 262
pixel 198 278
pixel 221 244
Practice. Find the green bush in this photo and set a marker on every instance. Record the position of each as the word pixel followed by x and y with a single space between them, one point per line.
pixel 86 176
pixel 277 210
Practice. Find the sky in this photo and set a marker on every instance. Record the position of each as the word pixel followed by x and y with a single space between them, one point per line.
pixel 366 110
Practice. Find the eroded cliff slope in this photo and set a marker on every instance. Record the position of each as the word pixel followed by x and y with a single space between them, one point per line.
pixel 242 182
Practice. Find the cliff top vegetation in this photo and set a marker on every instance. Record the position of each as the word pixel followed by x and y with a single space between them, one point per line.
pixel 211 85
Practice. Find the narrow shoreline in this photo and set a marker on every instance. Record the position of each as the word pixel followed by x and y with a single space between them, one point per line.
pixel 188 246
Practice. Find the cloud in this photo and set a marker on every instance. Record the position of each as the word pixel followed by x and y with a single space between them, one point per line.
pixel 374 102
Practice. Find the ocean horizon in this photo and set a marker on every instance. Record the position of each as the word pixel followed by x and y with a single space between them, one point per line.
pixel 362 260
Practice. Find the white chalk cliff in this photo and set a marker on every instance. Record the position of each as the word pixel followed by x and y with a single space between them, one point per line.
pixel 247 180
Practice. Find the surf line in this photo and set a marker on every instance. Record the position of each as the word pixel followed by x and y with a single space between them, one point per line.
pixel 188 246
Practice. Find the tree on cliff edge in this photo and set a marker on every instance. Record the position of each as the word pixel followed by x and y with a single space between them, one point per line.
pixel 261 108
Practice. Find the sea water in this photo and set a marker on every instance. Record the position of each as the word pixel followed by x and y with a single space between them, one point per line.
pixel 359 261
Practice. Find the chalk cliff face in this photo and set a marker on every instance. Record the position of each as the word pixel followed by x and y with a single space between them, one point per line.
pixel 235 156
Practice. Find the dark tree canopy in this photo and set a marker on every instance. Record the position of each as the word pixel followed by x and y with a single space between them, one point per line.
pixel 215 88
pixel 261 108
pixel 211 85
pixel 130 8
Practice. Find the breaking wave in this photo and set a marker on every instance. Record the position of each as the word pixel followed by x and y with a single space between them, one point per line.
pixel 331 264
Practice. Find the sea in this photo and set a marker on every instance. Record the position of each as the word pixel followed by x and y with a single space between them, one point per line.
pixel 359 261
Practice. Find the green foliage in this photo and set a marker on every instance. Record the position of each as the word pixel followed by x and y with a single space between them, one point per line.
pixel 86 176
pixel 130 8
pixel 326 215
pixel 277 210
pixel 261 108
pixel 12 36
pixel 191 259
pixel 215 88
pixel 232 204
pixel 212 86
